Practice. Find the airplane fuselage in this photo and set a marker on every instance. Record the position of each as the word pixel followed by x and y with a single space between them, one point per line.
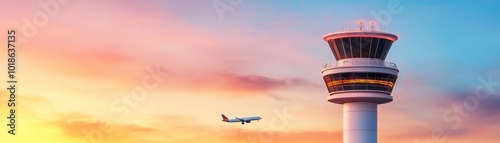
pixel 242 120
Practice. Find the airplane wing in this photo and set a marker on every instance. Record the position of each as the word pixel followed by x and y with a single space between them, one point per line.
pixel 243 120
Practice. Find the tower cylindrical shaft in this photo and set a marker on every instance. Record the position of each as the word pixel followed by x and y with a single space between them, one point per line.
pixel 360 122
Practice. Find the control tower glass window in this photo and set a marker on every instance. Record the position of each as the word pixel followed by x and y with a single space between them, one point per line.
pixel 346 42
pixel 360 47
pixel 360 81
pixel 365 46
pixel 341 50
pixel 356 49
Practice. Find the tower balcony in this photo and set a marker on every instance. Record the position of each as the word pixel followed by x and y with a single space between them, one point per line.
pixel 360 62
pixel 360 80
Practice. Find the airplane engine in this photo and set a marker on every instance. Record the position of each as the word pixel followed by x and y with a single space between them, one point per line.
pixel 248 121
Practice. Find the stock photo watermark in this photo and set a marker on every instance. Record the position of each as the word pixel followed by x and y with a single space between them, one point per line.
pixel 39 19
pixel 28 30
pixel 121 108
pixel 458 112
pixel 221 7
pixel 11 81
pixel 384 17
pixel 279 122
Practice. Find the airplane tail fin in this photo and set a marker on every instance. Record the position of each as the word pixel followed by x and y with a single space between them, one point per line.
pixel 224 118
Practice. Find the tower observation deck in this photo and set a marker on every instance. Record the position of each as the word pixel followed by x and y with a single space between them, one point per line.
pixel 360 79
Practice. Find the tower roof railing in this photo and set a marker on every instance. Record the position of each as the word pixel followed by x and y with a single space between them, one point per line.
pixel 361 33
pixel 361 62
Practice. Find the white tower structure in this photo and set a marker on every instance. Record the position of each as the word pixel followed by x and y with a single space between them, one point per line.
pixel 360 79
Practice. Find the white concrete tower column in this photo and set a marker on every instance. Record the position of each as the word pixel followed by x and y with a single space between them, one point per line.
pixel 360 122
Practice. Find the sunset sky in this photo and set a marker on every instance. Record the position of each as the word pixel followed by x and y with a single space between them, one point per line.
pixel 162 71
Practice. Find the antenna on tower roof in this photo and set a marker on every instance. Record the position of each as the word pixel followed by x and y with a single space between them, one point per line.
pixel 372 25
pixel 361 25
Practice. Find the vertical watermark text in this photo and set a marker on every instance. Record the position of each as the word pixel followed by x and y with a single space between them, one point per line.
pixel 11 81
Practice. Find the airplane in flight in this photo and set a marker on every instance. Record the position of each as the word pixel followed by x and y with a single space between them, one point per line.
pixel 242 120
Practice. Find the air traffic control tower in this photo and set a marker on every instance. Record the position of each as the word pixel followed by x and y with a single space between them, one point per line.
pixel 360 79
